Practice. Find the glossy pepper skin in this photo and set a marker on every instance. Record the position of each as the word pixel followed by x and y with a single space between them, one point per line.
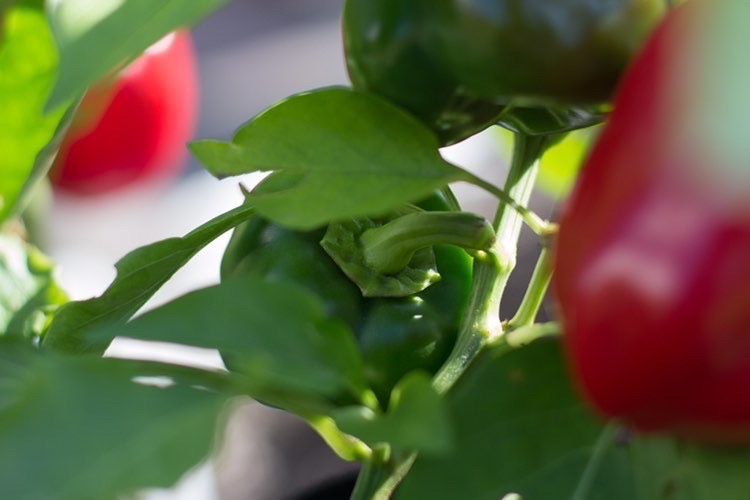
pixel 396 335
pixel 539 51
pixel 653 256
pixel 387 54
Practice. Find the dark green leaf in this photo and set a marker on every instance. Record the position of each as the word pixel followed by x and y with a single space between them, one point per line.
pixel 95 37
pixel 139 276
pixel 668 469
pixel 274 333
pixel 519 428
pixel 28 66
pixel 80 428
pixel 335 153
pixel 417 419
pixel 27 288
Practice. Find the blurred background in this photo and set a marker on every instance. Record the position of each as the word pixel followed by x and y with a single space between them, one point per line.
pixel 251 54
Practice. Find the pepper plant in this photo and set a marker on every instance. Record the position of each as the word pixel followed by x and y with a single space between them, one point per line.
pixel 355 292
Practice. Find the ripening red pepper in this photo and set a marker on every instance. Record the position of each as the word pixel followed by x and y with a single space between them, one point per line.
pixel 653 256
pixel 133 126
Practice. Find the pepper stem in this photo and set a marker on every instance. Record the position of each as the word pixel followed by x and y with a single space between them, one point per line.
pixel 481 323
pixel 374 473
pixel 389 248
pixel 533 220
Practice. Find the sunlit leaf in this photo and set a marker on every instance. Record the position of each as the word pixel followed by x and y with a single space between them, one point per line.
pixel 334 153
pixel 95 36
pixel 27 288
pixel 139 275
pixel 28 68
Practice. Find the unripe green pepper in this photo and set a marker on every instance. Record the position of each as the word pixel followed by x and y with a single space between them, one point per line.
pixel 402 334
pixel 261 248
pixel 541 51
pixel 396 335
pixel 387 54
pixel 390 52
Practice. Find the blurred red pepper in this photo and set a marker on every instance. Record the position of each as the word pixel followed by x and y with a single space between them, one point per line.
pixel 133 127
pixel 653 255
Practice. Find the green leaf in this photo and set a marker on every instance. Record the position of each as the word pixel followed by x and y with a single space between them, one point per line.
pixel 417 419
pixel 27 288
pixel 519 428
pixel 276 334
pixel 666 468
pixel 95 36
pixel 28 67
pixel 715 473
pixel 139 275
pixel 80 428
pixel 335 153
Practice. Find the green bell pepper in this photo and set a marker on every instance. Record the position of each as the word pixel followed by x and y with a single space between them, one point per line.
pixel 394 50
pixel 387 54
pixel 396 334
pixel 539 51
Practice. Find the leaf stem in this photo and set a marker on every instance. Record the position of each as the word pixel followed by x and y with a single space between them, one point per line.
pixel 531 218
pixel 592 467
pixel 527 334
pixel 492 269
pixel 399 470
pixel 481 323
pixel 534 296
pixel 373 475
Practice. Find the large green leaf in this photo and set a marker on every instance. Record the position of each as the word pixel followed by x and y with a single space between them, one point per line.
pixel 335 153
pixel 276 334
pixel 80 428
pixel 94 36
pixel 27 288
pixel 519 428
pixel 139 275
pixel 28 67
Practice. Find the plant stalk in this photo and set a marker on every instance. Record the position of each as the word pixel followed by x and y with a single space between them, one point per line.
pixel 534 296
pixel 481 323
pixel 592 467
pixel 374 472
pixel 491 271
